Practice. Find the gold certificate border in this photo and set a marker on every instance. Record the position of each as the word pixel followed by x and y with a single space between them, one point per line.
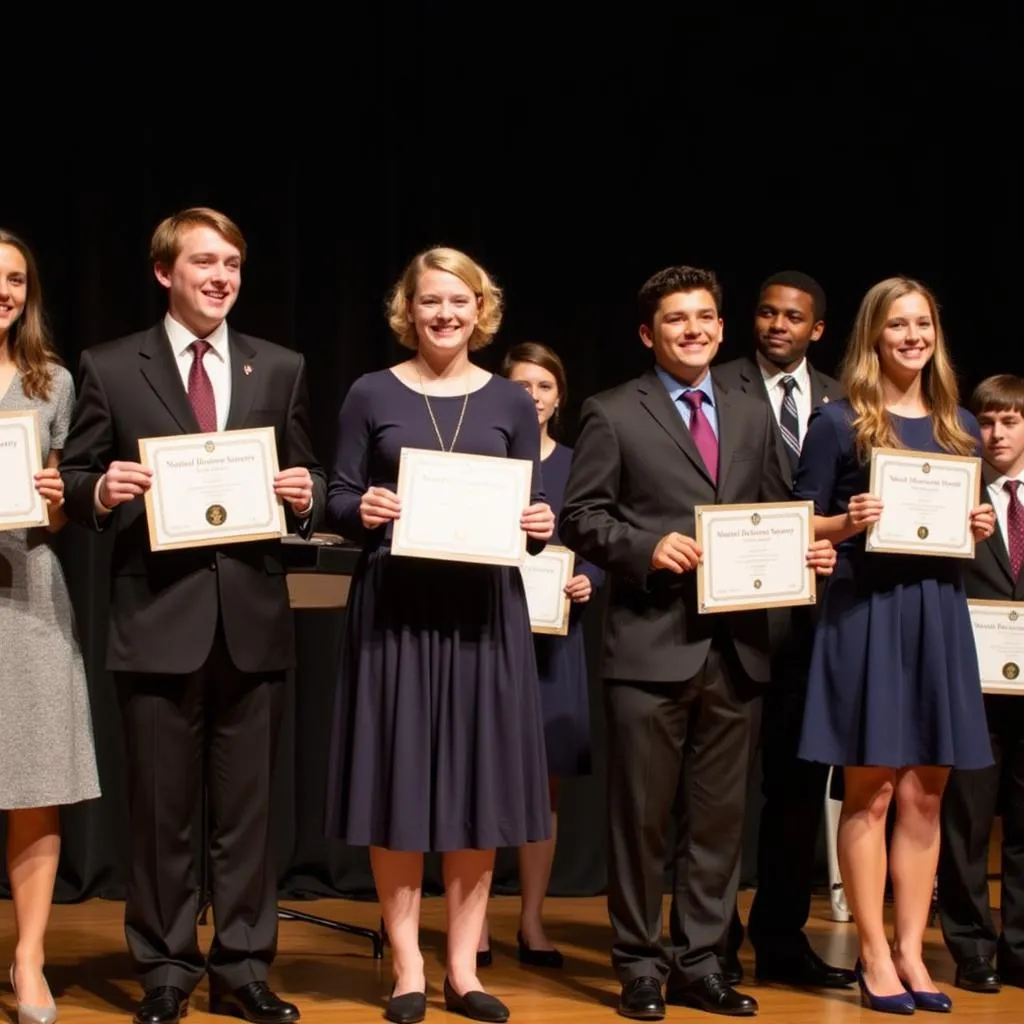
pixel 971 465
pixel 148 446
pixel 1009 609
pixel 409 461
pixel 701 512
pixel 33 465
pixel 556 552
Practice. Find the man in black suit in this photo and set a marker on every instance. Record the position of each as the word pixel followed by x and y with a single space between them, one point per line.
pixel 200 638
pixel 680 691
pixel 972 798
pixel 789 318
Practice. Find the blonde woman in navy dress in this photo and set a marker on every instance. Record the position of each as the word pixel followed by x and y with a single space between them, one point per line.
pixel 894 694
pixel 46 742
pixel 561 660
pixel 439 739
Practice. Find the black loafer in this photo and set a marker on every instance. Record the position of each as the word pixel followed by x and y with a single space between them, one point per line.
pixel 255 1003
pixel 410 1008
pixel 162 1005
pixel 474 1005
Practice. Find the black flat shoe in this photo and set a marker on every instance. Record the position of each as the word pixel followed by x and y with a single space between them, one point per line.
pixel 484 958
pixel 255 1003
pixel 474 1005
pixel 162 1005
pixel 538 957
pixel 410 1008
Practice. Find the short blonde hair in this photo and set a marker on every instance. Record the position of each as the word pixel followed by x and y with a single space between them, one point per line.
pixel 452 261
pixel 165 245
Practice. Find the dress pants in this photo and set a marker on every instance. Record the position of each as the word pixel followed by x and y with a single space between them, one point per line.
pixel 971 801
pixel 219 725
pixel 676 751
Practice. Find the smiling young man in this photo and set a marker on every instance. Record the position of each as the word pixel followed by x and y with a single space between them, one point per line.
pixel 680 687
pixel 199 639
pixel 788 319
pixel 971 799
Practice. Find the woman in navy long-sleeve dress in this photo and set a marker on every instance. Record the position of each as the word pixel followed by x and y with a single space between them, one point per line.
pixel 561 660
pixel 438 741
pixel 894 694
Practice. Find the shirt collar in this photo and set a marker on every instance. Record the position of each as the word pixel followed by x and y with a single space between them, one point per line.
pixel 999 482
pixel 675 389
pixel 772 374
pixel 181 337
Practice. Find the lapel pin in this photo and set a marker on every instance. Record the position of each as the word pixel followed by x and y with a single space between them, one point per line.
pixel 247 369
pixel 824 398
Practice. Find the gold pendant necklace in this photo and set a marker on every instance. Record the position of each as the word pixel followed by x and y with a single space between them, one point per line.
pixel 430 412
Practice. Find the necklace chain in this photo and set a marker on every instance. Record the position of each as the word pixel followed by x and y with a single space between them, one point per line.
pixel 433 420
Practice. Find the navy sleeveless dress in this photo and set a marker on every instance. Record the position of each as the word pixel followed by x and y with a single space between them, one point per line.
pixel 438 738
pixel 894 673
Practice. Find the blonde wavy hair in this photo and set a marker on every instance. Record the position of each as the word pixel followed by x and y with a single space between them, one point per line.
pixel 861 376
pixel 488 295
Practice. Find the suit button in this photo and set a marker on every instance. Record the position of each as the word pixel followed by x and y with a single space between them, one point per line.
pixel 213 565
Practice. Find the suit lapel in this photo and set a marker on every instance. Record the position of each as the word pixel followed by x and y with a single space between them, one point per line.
pixel 753 384
pixel 244 380
pixel 729 432
pixel 656 401
pixel 820 390
pixel 160 370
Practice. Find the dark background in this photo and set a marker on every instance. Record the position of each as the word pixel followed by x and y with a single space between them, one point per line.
pixel 571 150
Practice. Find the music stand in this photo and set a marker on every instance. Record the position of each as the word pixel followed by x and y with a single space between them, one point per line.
pixel 319 572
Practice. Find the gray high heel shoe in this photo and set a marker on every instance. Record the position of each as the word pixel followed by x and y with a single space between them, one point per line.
pixel 34 1014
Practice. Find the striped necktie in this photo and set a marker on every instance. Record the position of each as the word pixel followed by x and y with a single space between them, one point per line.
pixel 789 422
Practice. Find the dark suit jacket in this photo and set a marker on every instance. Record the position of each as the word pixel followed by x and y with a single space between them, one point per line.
pixel 636 476
pixel 792 629
pixel 987 576
pixel 165 605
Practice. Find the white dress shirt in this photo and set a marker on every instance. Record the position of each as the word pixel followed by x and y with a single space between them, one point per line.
pixel 776 393
pixel 216 362
pixel 1000 501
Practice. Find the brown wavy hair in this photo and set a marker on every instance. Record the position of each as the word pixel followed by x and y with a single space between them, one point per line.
pixel 546 358
pixel 861 376
pixel 28 340
pixel 488 295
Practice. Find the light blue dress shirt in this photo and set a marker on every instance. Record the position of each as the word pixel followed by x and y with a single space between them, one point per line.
pixel 676 391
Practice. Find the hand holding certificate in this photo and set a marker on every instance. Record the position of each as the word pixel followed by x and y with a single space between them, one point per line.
pixel 463 508
pixel 213 488
pixel 21 504
pixel 545 578
pixel 928 503
pixel 757 556
pixel 999 637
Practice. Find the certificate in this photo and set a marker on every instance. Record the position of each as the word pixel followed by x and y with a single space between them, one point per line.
pixel 927 501
pixel 213 488
pixel 999 637
pixel 21 505
pixel 545 577
pixel 461 508
pixel 755 556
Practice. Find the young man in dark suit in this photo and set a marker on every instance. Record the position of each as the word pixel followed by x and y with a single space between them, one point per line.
pixel 972 797
pixel 789 318
pixel 680 687
pixel 200 638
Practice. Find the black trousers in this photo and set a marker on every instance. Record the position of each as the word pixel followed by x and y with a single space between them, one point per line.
pixel 794 795
pixel 971 801
pixel 679 752
pixel 222 724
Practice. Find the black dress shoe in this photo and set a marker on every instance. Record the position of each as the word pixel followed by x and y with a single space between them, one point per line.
pixel 474 1005
pixel 802 969
pixel 256 1003
pixel 163 1005
pixel 538 957
pixel 641 999
pixel 713 995
pixel 976 974
pixel 410 1008
pixel 732 969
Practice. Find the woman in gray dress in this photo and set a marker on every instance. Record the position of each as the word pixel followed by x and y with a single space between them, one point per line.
pixel 47 756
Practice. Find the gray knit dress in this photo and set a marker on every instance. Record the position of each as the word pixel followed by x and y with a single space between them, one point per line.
pixel 47 756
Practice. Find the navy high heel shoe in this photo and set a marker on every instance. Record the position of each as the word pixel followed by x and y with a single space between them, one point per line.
pixel 903 1003
pixel 933 1002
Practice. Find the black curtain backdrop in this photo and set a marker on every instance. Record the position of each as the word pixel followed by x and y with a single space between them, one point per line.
pixel 573 158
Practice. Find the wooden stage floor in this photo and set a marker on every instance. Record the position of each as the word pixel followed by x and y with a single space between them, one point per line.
pixel 333 977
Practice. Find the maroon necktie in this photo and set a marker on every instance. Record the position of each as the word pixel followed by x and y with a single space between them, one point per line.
pixel 1014 528
pixel 703 436
pixel 200 390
